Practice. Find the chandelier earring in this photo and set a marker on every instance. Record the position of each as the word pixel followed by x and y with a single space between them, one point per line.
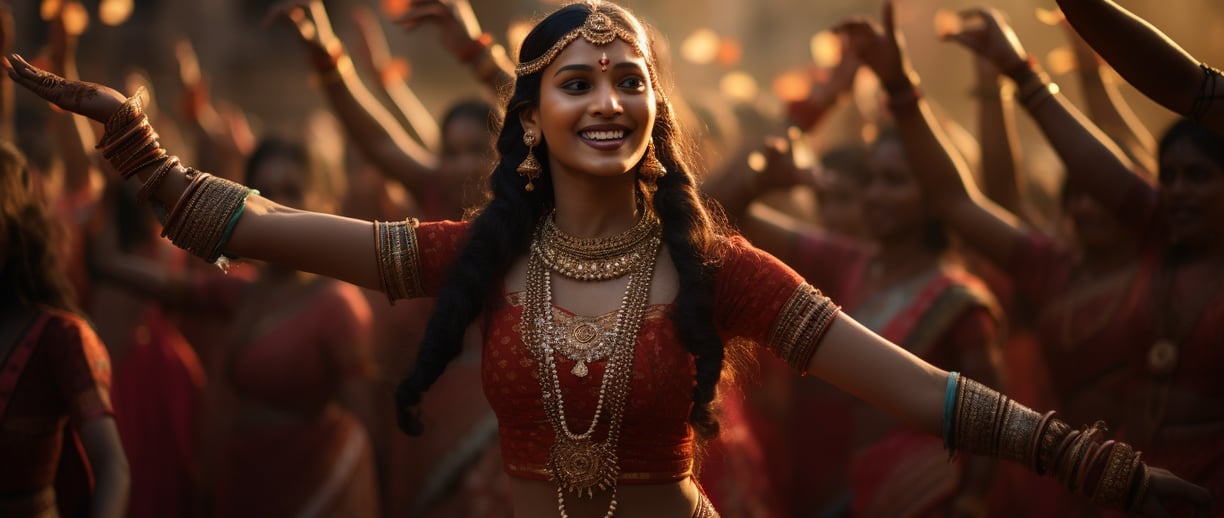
pixel 530 168
pixel 652 169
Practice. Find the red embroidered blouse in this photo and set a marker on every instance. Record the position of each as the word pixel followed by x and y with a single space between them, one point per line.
pixel 756 298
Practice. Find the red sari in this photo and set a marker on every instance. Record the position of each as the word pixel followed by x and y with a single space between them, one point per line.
pixel 57 375
pixel 310 457
pixel 938 315
pixel 1184 442
pixel 158 393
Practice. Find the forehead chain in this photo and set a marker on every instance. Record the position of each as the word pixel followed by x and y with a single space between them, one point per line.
pixel 598 29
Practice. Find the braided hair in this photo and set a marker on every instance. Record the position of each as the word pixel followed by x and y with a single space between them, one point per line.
pixel 502 231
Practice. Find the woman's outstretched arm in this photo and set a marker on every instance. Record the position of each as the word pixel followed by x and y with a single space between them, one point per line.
pixel 973 418
pixel 334 246
pixel 1148 59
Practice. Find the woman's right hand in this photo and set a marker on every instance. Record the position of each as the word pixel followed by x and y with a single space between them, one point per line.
pixel 985 31
pixel 98 102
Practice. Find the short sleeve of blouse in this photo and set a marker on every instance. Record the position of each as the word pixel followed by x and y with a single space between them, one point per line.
pixel 413 257
pixel 759 298
pixel 81 365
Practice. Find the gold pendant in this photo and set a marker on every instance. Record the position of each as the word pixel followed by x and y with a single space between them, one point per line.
pixel 1162 357
pixel 581 466
pixel 580 369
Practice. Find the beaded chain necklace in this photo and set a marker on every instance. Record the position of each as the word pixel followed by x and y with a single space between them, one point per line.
pixel 576 462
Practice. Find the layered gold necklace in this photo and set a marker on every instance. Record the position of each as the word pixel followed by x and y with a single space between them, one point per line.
pixel 576 462
pixel 593 259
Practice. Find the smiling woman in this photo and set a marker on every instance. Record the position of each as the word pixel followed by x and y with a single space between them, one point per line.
pixel 606 291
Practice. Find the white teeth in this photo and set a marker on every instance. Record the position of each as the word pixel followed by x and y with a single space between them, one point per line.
pixel 604 135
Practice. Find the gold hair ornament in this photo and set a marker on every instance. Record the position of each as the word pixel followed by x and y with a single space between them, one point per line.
pixel 598 29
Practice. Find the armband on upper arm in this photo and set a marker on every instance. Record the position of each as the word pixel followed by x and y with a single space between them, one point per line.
pixel 800 326
pixel 399 258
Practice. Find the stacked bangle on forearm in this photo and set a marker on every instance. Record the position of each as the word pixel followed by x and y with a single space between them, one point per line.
pixel 207 210
pixel 205 214
pixel 130 144
pixel 980 420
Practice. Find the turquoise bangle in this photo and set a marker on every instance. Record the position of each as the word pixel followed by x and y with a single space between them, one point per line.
pixel 233 222
pixel 949 408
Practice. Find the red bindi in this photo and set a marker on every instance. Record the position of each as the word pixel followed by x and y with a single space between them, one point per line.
pixel 603 62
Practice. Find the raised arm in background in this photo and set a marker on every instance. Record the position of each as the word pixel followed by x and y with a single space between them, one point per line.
pixel 369 125
pixel 1107 108
pixel 851 357
pixel 461 35
pixel 75 136
pixel 1093 162
pixel 1001 178
pixel 943 174
pixel 223 136
pixel 1149 60
pixel 392 74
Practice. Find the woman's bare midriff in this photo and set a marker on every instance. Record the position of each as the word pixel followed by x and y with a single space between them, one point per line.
pixel 533 498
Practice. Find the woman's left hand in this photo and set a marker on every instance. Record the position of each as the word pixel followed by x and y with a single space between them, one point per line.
pixel 1166 486
pixel 98 102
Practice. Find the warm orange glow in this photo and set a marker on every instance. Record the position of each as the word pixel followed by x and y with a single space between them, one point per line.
pixel 115 12
pixel 739 86
pixel 1061 60
pixel 826 49
pixel 1050 16
pixel 49 9
pixel 947 22
pixel 516 32
pixel 76 18
pixel 700 47
pixel 395 8
pixel 792 86
pixel 729 52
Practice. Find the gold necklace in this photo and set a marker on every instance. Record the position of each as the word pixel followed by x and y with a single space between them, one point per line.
pixel 593 259
pixel 576 462
pixel 584 339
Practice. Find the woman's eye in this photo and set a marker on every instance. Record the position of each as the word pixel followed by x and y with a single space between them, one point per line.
pixel 633 83
pixel 575 85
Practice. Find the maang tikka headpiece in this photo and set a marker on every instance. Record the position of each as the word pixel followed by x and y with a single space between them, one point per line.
pixel 598 29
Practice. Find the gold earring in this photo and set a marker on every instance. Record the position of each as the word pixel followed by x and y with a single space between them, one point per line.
pixel 652 169
pixel 530 168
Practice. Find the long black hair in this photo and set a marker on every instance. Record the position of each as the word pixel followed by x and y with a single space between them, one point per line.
pixel 502 231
